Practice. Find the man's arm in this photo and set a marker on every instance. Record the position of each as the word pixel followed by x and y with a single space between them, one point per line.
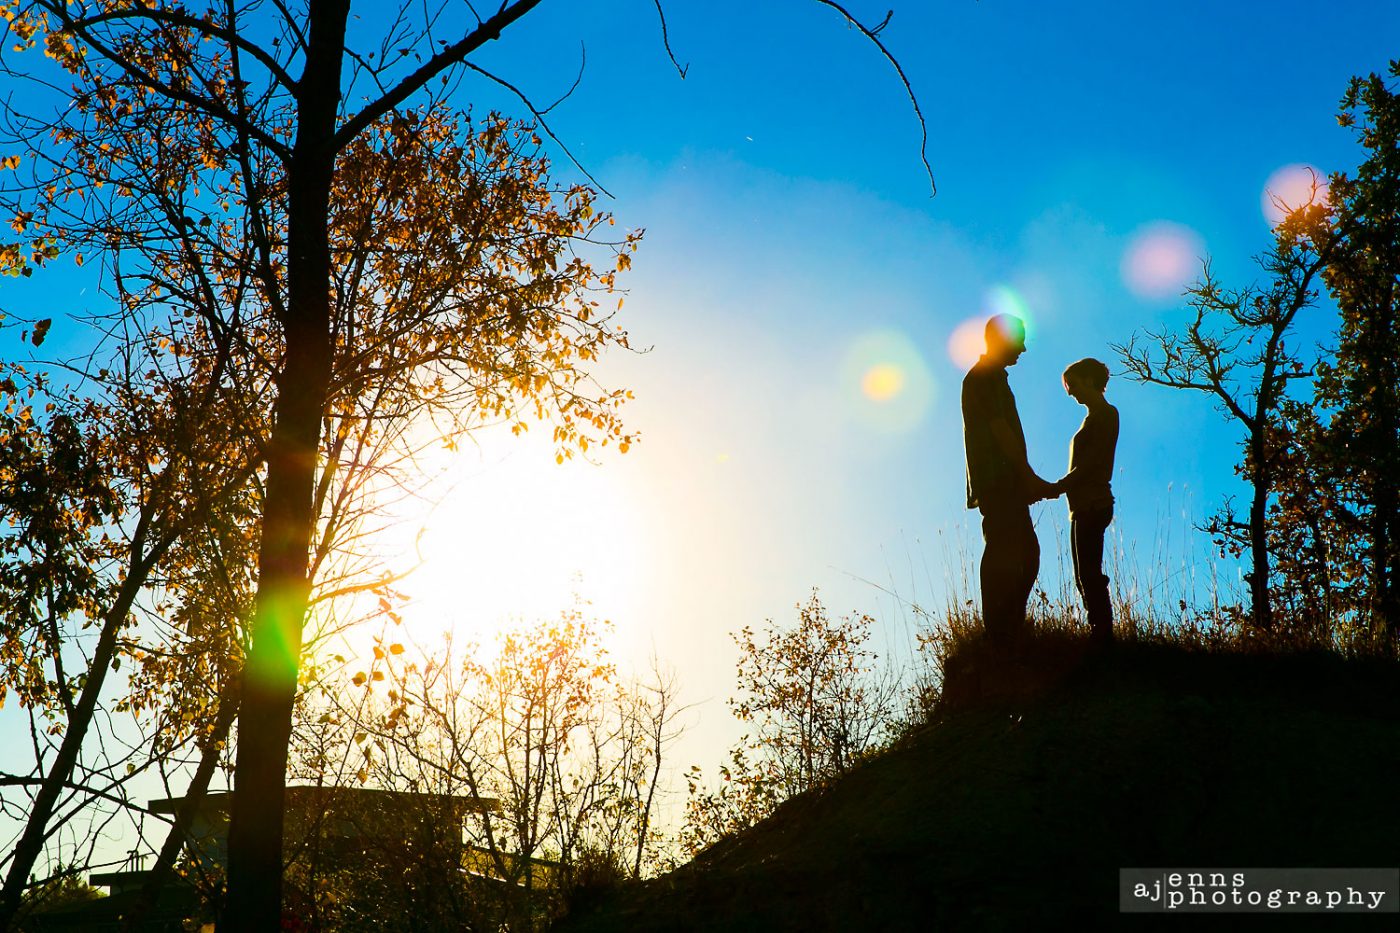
pixel 1036 488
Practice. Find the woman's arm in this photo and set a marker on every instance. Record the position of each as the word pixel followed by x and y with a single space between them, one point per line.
pixel 1092 449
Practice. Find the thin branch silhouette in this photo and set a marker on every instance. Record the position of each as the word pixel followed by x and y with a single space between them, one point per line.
pixel 666 41
pixel 873 34
pixel 538 114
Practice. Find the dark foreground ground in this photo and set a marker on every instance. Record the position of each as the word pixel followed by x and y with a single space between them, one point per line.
pixel 1039 780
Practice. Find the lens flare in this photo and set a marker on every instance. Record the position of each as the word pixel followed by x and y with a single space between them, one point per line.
pixel 1161 260
pixel 1290 188
pixel 887 384
pixel 966 343
pixel 1003 299
pixel 882 382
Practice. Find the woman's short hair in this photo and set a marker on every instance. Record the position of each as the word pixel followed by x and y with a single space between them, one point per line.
pixel 1089 372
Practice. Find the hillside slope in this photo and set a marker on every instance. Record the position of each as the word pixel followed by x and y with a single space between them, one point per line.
pixel 1039 780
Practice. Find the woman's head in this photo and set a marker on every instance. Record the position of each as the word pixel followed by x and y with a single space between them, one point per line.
pixel 1086 375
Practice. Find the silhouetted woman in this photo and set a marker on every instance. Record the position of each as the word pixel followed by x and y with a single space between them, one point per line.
pixel 1088 486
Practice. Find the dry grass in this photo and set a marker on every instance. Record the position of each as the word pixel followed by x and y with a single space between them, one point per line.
pixel 1179 597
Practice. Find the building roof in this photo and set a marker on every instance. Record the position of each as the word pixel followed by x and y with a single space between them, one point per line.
pixel 318 796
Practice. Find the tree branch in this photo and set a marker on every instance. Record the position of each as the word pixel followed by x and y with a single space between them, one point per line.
pixel 666 41
pixel 874 36
pixel 205 27
pixel 540 120
pixel 197 101
pixel 452 55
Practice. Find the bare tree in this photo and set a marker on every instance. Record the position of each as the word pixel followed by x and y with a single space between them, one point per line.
pixel 1236 350
pixel 568 753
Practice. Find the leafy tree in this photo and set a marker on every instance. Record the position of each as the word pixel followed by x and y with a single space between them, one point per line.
pixel 229 177
pixel 405 322
pixel 99 490
pixel 239 157
pixel 817 704
pixel 1357 451
pixel 1324 468
pixel 808 693
pixel 1307 541
pixel 747 791
pixel 66 887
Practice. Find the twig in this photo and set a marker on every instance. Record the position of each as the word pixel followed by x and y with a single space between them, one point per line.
pixel 539 117
pixel 666 41
pixel 873 36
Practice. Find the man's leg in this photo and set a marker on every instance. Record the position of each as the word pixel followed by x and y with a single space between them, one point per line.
pixel 1028 565
pixel 995 574
pixel 1010 562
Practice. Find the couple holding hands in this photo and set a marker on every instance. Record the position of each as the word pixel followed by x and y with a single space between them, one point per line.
pixel 1002 485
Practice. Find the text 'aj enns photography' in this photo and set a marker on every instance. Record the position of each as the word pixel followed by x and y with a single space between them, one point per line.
pixel 1260 890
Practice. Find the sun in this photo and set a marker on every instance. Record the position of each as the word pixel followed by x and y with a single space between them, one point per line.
pixel 503 534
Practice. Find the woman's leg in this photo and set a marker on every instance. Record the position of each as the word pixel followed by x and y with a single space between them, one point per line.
pixel 1086 548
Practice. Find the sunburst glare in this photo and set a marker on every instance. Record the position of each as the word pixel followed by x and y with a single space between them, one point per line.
pixel 506 533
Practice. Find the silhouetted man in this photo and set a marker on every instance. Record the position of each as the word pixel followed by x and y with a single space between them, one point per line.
pixel 1000 481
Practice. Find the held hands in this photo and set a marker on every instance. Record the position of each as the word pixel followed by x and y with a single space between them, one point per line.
pixel 1038 489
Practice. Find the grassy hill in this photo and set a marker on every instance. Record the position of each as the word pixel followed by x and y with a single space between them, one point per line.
pixel 1040 778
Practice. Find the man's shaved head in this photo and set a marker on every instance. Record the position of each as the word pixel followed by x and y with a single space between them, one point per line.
pixel 1006 338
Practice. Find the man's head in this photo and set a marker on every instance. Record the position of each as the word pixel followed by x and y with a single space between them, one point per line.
pixel 1006 339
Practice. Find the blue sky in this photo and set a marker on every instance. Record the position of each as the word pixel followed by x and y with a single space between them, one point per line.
pixel 791 234
pixel 793 249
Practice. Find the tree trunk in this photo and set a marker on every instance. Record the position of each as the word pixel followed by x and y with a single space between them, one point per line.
pixel 254 898
pixel 135 918
pixel 36 827
pixel 1258 531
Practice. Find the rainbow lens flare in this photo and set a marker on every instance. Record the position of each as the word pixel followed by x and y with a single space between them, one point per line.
pixel 968 340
